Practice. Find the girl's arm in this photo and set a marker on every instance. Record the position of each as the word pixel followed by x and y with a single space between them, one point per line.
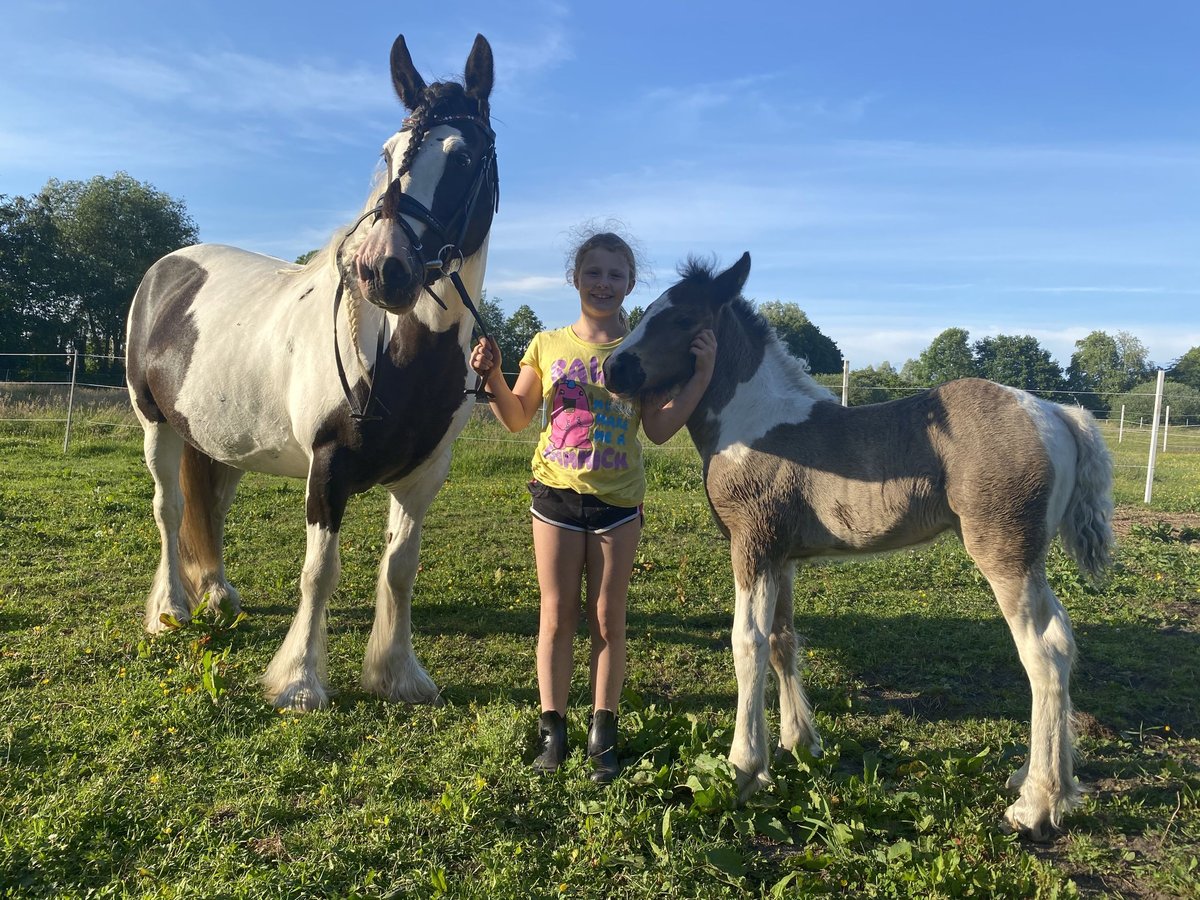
pixel 515 407
pixel 663 416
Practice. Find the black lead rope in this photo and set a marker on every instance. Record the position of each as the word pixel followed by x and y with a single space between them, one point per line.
pixel 464 295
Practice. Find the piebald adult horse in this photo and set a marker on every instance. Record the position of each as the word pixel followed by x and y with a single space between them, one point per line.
pixel 792 475
pixel 350 371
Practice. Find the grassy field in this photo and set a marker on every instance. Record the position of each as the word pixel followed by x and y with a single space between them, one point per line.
pixel 136 767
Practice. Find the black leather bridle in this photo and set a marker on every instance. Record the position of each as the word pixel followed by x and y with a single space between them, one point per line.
pixel 448 259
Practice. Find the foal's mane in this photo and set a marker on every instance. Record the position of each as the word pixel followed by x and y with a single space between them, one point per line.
pixel 756 331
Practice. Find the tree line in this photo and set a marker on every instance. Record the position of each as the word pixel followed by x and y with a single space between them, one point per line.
pixel 1105 372
pixel 72 255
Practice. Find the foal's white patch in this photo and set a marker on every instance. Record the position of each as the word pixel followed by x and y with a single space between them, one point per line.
pixel 768 399
pixel 1060 448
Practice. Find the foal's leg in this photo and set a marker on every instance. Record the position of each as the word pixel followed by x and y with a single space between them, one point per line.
pixel 390 667
pixel 1042 632
pixel 795 713
pixel 163 448
pixel 754 614
pixel 297 677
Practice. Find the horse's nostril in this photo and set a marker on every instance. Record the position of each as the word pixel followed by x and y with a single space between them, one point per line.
pixel 393 272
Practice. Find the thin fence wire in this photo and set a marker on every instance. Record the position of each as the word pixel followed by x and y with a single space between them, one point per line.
pixel 93 404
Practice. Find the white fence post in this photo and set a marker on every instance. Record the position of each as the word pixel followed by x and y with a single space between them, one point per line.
pixel 1121 430
pixel 71 400
pixel 845 382
pixel 1158 393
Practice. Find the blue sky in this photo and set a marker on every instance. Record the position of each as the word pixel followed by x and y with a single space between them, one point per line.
pixel 893 168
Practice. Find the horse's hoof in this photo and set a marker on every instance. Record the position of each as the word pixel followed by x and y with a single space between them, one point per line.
pixel 165 621
pixel 222 604
pixel 750 783
pixel 301 698
pixel 1038 829
pixel 416 687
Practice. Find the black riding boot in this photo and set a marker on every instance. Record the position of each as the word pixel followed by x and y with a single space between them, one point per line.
pixel 602 746
pixel 552 735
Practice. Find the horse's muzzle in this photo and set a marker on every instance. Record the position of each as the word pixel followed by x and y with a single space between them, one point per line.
pixel 394 286
pixel 623 374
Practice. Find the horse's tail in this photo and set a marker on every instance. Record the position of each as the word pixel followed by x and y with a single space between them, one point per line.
pixel 1086 528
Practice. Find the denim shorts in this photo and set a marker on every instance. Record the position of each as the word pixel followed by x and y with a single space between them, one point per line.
pixel 578 512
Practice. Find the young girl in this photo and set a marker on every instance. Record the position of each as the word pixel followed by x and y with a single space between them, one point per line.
pixel 587 487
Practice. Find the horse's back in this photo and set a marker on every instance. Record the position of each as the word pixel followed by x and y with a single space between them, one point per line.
pixel 969 455
pixel 213 344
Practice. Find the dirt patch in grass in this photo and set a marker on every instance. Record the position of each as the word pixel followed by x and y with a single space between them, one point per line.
pixel 1124 517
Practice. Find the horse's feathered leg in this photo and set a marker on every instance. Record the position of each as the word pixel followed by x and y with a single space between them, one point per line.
pixel 163 448
pixel 391 668
pixel 1041 629
pixel 298 675
pixel 795 713
pixel 756 585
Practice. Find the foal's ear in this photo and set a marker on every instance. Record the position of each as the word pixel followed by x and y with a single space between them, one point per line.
pixel 730 282
pixel 407 81
pixel 478 75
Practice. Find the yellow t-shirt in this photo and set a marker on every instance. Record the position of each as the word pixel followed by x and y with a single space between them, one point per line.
pixel 590 441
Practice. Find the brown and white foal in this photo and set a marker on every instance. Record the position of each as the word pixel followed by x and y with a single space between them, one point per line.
pixel 792 475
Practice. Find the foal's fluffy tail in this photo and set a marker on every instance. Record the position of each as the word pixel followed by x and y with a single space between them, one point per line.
pixel 1086 528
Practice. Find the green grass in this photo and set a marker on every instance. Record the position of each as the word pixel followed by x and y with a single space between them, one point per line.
pixel 123 772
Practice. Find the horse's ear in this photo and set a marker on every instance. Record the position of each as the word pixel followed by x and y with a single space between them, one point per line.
pixel 478 75
pixel 409 85
pixel 730 282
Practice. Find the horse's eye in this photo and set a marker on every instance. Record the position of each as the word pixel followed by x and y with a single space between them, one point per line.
pixel 462 159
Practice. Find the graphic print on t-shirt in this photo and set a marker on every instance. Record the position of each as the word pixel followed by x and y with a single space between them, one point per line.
pixel 570 417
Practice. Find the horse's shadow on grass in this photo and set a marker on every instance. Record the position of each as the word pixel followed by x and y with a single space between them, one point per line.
pixel 938 668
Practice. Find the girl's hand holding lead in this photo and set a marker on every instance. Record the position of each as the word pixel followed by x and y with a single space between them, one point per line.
pixel 485 357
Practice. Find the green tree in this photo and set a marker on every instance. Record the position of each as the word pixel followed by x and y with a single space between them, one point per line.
pixel 1138 401
pixel 33 315
pixel 491 314
pixel 519 330
pixel 1186 369
pixel 1103 366
pixel 875 385
pixel 1018 362
pixel 947 357
pixel 635 316
pixel 305 258
pixel 110 231
pixel 801 337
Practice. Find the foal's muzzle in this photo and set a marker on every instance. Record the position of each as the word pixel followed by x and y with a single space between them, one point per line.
pixel 623 374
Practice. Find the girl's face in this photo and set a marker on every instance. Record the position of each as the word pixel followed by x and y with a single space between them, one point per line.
pixel 603 280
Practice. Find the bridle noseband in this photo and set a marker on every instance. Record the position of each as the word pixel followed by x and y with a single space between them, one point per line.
pixel 445 263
